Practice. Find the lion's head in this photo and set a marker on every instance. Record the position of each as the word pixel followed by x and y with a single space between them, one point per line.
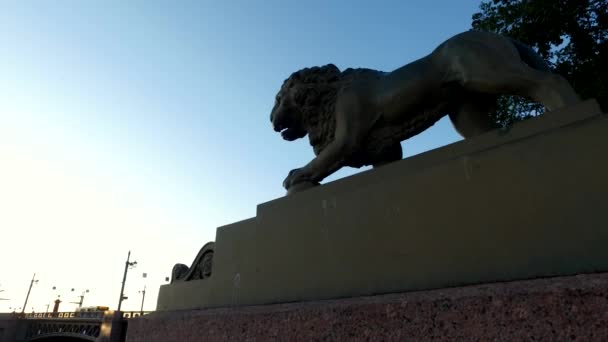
pixel 305 105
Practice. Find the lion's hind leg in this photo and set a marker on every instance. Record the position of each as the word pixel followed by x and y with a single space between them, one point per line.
pixel 388 155
pixel 506 74
pixel 473 115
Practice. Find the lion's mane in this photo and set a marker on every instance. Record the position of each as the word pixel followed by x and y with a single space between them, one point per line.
pixel 315 94
pixel 316 91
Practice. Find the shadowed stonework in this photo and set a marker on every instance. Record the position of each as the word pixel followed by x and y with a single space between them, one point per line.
pixel 201 266
pixel 556 309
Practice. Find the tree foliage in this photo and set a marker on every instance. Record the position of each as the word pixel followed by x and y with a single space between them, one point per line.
pixel 572 35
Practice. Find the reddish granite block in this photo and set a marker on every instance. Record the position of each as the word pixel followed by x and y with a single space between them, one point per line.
pixel 552 309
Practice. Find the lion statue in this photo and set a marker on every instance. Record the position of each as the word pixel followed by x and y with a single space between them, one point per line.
pixel 360 116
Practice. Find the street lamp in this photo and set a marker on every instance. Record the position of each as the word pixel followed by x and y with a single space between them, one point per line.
pixel 34 280
pixel 143 297
pixel 124 280
pixel 58 300
pixel 143 293
pixel 81 298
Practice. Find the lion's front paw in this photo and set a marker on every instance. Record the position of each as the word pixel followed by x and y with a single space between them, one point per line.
pixel 296 176
pixel 301 186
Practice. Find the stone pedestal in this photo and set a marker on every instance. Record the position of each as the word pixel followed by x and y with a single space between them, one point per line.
pixel 571 308
pixel 507 205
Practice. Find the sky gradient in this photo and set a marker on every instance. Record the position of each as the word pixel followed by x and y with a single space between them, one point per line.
pixel 143 125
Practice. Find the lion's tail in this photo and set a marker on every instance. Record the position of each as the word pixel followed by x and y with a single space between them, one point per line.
pixel 530 56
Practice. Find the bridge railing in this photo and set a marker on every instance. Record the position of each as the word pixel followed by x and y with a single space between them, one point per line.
pixel 89 325
pixel 96 315
pixel 134 314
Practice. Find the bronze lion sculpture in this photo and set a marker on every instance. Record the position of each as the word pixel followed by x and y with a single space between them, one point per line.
pixel 360 116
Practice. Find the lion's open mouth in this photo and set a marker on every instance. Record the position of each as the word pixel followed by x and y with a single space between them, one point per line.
pixel 290 133
pixel 283 121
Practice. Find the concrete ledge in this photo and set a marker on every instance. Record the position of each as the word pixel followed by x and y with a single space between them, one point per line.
pixel 571 308
pixel 526 203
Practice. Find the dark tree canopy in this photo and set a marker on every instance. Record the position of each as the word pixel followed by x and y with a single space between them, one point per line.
pixel 572 35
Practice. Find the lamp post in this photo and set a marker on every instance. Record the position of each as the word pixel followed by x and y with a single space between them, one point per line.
pixel 143 293
pixel 124 280
pixel 60 291
pixel 143 297
pixel 82 294
pixel 81 298
pixel 34 280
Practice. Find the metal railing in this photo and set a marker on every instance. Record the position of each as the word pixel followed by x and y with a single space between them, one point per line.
pixel 96 315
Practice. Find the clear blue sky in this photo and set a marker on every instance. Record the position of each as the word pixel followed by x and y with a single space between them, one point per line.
pixel 143 125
